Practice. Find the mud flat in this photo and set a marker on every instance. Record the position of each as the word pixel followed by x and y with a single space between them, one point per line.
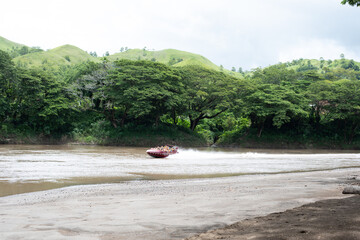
pixel 163 209
pixel 326 219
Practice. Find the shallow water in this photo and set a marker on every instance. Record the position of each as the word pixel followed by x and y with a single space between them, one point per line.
pixel 26 168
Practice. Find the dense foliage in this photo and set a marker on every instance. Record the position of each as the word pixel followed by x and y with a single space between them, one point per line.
pixel 303 102
pixel 351 2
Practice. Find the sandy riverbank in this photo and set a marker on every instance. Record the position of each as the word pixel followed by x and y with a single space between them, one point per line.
pixel 327 219
pixel 161 209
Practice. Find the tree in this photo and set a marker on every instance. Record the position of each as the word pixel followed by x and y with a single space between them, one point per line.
pixel 42 103
pixel 344 107
pixel 318 94
pixel 277 74
pixel 350 65
pixel 273 105
pixel 274 98
pixel 335 107
pixel 87 84
pixel 24 50
pixel 208 93
pixel 351 2
pixel 8 84
pixel 141 91
pixel 94 54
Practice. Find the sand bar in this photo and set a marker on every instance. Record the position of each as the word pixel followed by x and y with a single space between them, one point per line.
pixel 164 209
pixel 322 220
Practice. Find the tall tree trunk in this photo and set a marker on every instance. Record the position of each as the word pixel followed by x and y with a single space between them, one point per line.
pixel 123 118
pixel 261 129
pixel 194 123
pixel 352 134
pixel 112 118
pixel 157 120
pixel 173 115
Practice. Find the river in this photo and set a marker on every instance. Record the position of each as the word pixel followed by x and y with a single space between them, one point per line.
pixel 28 168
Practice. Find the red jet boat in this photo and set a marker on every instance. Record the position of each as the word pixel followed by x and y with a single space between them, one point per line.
pixel 162 152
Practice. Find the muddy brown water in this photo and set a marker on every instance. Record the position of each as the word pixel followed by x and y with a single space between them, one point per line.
pixel 29 168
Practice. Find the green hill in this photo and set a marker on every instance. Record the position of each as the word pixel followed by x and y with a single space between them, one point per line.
pixel 170 57
pixel 7 45
pixel 68 55
pixel 63 55
pixel 322 65
pixel 54 58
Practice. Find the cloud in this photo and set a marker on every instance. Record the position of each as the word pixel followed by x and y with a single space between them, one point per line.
pixel 314 49
pixel 235 33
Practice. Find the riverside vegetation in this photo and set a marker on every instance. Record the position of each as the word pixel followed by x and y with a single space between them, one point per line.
pixel 141 98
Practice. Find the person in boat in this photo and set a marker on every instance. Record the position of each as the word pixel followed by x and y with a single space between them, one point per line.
pixel 166 148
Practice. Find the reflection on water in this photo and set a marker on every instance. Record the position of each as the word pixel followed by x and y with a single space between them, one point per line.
pixel 26 168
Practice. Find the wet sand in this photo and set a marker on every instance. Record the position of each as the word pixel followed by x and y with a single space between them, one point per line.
pixel 327 219
pixel 164 209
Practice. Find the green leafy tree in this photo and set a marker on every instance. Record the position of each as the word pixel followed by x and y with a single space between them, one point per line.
pixel 87 83
pixel 24 50
pixel 350 65
pixel 8 84
pixel 277 74
pixel 275 98
pixel 318 94
pixel 351 2
pixel 141 90
pixel 344 107
pixel 273 105
pixel 336 107
pixel 94 54
pixel 208 93
pixel 42 103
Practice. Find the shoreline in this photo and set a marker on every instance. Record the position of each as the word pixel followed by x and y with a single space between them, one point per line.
pixel 34 140
pixel 325 219
pixel 164 209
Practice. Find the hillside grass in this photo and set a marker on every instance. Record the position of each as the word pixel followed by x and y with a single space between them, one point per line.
pixel 63 55
pixel 171 57
pixel 320 65
pixel 7 45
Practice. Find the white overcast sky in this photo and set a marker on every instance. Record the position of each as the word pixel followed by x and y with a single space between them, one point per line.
pixel 239 33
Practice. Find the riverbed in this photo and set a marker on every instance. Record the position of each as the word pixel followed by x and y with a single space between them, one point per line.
pixel 121 193
pixel 28 168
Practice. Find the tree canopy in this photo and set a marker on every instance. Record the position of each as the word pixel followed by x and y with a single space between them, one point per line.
pixel 351 2
pixel 208 93
pixel 302 98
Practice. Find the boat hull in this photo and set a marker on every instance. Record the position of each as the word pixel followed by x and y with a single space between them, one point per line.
pixel 157 153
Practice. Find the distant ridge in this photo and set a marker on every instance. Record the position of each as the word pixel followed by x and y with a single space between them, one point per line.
pixel 7 45
pixel 171 57
pixel 321 65
pixel 68 55
pixel 63 55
